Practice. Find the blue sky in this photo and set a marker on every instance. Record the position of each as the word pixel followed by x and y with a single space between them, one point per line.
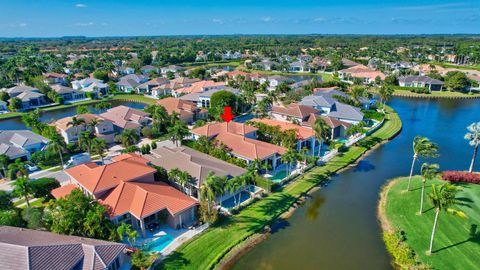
pixel 51 18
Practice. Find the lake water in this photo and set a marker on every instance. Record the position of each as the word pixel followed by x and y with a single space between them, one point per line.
pixel 337 228
pixel 47 117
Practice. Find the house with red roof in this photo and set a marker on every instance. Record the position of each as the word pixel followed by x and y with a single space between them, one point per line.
pixel 363 72
pixel 198 87
pixel 127 187
pixel 240 139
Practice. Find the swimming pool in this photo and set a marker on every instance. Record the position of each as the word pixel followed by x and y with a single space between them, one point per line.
pixel 230 202
pixel 158 244
pixel 279 176
pixel 253 189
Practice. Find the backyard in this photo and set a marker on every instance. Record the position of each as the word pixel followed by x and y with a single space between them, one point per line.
pixel 457 240
pixel 208 249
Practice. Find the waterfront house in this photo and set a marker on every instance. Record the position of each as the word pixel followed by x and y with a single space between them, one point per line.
pixel 68 94
pixel 274 81
pixel 149 68
pixel 265 65
pixel 19 89
pixel 199 87
pixel 186 110
pixel 103 129
pixel 305 135
pixel 146 87
pixel 421 81
pixel 346 113
pixel 32 99
pixel 25 249
pixel 366 74
pixel 202 99
pixel 322 103
pixel 240 140
pixel 124 117
pixel 128 188
pixel 84 83
pixel 20 143
pixel 337 128
pixel 293 112
pixel 129 83
pixel 298 66
pixel 171 68
pixel 165 89
pixel 197 164
pixel 55 78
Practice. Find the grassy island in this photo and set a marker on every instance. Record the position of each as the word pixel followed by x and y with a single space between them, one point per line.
pixel 457 240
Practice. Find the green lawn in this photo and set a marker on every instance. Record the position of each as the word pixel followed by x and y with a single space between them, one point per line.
pixel 454 246
pixel 135 98
pixel 434 94
pixel 447 65
pixel 207 249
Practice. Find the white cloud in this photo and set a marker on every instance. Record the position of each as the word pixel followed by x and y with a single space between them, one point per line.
pixel 430 7
pixel 79 5
pixel 85 24
pixel 217 21
pixel 266 19
pixel 18 25
pixel 320 19
pixel 23 25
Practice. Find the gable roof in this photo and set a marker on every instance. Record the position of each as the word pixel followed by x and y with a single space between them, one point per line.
pixel 20 89
pixel 125 117
pixel 197 164
pixel 301 132
pixel 63 122
pixel 294 109
pixel 207 94
pixel 331 122
pixel 21 138
pixel 344 111
pixel 96 178
pixel 216 128
pixel 154 82
pixel 199 87
pixel 31 249
pixel 423 79
pixel 27 95
pixel 60 89
pixel 362 71
pixel 183 107
pixel 317 101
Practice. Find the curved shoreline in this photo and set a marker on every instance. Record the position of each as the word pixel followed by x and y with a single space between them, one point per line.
pixel 425 96
pixel 249 244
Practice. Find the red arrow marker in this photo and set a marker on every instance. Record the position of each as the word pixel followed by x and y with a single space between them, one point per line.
pixel 227 114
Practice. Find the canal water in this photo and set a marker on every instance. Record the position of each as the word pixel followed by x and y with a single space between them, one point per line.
pixel 47 117
pixel 337 228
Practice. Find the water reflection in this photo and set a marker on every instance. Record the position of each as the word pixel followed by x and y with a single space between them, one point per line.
pixel 364 166
pixel 313 207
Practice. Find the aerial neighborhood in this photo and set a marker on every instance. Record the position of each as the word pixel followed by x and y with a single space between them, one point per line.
pixel 123 152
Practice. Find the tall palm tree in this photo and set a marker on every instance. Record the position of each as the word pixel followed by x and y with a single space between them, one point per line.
pixel 23 188
pixel 233 186
pixel 322 132
pixel 209 190
pixel 93 123
pixel 385 93
pixel 290 157
pixel 473 137
pixel 183 179
pixel 422 147
pixel 85 140
pixel 443 198
pixel 76 122
pixel 4 160
pixel 99 147
pixel 178 132
pixel 129 137
pixel 429 171
pixel 174 174
pixel 58 145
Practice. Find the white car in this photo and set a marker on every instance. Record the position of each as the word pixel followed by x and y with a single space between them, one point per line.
pixel 31 168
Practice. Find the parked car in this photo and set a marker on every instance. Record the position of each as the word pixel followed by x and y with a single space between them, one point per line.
pixel 31 167
pixel 77 160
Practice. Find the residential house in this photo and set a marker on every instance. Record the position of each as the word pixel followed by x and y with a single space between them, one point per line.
pixel 126 70
pixel 25 249
pixel 335 93
pixel 20 143
pixel 421 81
pixel 68 94
pixel 32 99
pixel 346 113
pixel 103 129
pixel 97 88
pixel 146 87
pixel 293 112
pixel 321 103
pixel 274 81
pixel 366 74
pixel 202 99
pixel 55 78
pixel 300 84
pixel 165 89
pixel 3 106
pixel 337 128
pixel 124 117
pixel 229 55
pixel 172 68
pixel 185 81
pixel 19 89
pixel 84 83
pixel 305 136
pixel 199 87
pixel 129 190
pixel 186 110
pixel 149 68
pixel 265 65
pixel 319 64
pixel 298 66
pixel 197 164
pixel 240 140
pixel 129 83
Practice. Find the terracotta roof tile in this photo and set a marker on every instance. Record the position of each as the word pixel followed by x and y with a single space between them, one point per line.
pixel 302 132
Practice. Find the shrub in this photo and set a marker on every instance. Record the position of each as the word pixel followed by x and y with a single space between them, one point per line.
pixel 147 132
pixel 153 145
pixel 461 177
pixel 5 200
pixel 43 186
pixel 398 248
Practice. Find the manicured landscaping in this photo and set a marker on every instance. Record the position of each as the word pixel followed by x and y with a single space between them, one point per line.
pixel 457 240
pixel 207 250
pixel 436 94
pixel 133 98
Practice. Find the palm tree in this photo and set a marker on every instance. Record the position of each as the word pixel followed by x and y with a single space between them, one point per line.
pixel 76 122
pixel 183 179
pixel 422 147
pixel 210 189
pixel 473 137
pixel 129 137
pixel 85 140
pixel 233 186
pixel 126 230
pixel 385 93
pixel 443 198
pixel 242 182
pixel 429 171
pixel 290 157
pixel 99 147
pixel 178 132
pixel 23 188
pixel 4 159
pixel 93 123
pixel 174 174
pixel 58 145
pixel 322 132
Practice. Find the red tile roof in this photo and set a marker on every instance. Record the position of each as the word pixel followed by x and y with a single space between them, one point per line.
pixel 215 128
pixel 302 132
pixel 198 87
pixel 294 109
pixel 96 178
pixel 63 191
